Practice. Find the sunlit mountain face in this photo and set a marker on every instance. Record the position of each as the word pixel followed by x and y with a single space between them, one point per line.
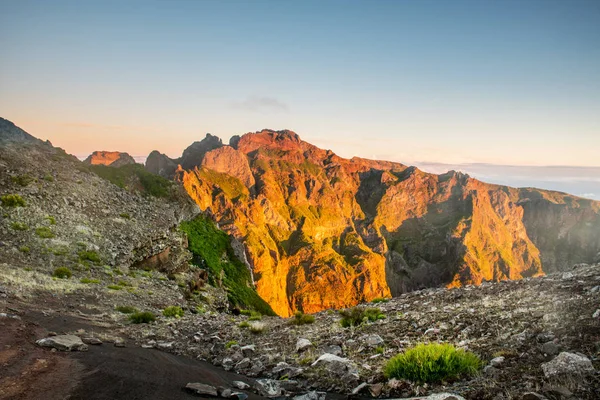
pixel 323 231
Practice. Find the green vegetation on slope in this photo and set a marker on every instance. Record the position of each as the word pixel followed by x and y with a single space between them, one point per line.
pixel 211 247
pixel 134 176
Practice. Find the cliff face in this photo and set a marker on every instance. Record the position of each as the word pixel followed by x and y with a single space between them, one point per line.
pixel 322 231
pixel 109 158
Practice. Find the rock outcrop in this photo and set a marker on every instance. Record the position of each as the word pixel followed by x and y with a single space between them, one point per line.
pixel 109 158
pixel 322 231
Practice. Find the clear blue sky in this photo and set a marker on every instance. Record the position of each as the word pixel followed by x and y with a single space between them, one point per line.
pixel 507 82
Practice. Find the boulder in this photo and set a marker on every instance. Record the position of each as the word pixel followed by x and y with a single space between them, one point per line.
pixel 311 396
pixel 240 385
pixel 568 364
pixel 63 343
pixel 268 387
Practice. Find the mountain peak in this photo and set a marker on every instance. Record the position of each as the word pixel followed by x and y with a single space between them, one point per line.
pixel 109 158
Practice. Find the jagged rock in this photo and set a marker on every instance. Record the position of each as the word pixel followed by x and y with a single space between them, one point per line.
pixel 201 389
pixel 256 369
pixel 165 345
pixel 568 364
pixel 311 396
pixel 268 387
pixel 242 365
pixel 248 350
pixel 303 344
pixel 596 314
pixel 376 389
pixel 373 340
pixel 240 385
pixel 91 340
pixel 238 396
pixel 227 364
pixel 63 343
pixel 224 392
pixel 550 348
pixel 333 349
pixel 496 362
pixel 284 369
pixel 330 358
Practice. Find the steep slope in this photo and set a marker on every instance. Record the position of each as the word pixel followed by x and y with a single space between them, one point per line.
pixel 109 158
pixel 322 231
pixel 102 222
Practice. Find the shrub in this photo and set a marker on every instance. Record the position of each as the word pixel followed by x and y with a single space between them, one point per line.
pixel 246 312
pixel 88 280
pixel 433 362
pixel 302 319
pixel 230 343
pixel 12 200
pixel 142 317
pixel 357 316
pixel 44 232
pixel 126 309
pixel 115 287
pixel 22 180
pixel 51 220
pixel 125 215
pixel 19 226
pixel 24 249
pixel 255 316
pixel 62 273
pixel 49 178
pixel 85 255
pixel 173 312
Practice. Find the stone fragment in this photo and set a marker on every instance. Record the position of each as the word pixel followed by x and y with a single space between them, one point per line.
pixel 303 344
pixel 311 396
pixel 240 385
pixel 550 348
pixel 496 362
pixel 63 343
pixel 268 387
pixel 91 340
pixel 201 389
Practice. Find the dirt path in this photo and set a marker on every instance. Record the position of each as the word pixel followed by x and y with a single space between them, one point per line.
pixel 28 372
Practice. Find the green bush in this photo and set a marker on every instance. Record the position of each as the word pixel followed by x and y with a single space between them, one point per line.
pixel 302 319
pixel 85 255
pixel 173 312
pixel 125 215
pixel 115 287
pixel 19 226
pixel 209 245
pixel 49 178
pixel 51 220
pixel 255 316
pixel 62 273
pixel 246 312
pixel 230 343
pixel 244 324
pixel 144 317
pixel 24 249
pixel 357 316
pixel 44 232
pixel 435 362
pixel 22 180
pixel 12 200
pixel 126 309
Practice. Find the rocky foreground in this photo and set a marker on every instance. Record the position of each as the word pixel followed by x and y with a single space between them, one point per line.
pixel 538 337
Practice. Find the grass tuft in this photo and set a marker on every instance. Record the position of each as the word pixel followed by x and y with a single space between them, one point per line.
pixel 62 273
pixel 44 232
pixel 302 319
pixel 126 309
pixel 173 312
pixel 143 317
pixel 434 362
pixel 357 316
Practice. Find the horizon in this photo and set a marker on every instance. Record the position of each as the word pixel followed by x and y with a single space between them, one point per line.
pixel 431 83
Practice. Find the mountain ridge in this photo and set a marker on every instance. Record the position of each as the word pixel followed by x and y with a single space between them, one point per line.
pixel 372 228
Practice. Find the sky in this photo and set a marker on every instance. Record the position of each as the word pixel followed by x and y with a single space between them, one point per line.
pixel 431 83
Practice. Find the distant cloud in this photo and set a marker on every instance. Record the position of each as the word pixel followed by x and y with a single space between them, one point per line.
pixel 262 104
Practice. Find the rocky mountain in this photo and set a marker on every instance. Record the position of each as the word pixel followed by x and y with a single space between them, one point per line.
pixel 324 232
pixel 109 158
pixel 101 222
